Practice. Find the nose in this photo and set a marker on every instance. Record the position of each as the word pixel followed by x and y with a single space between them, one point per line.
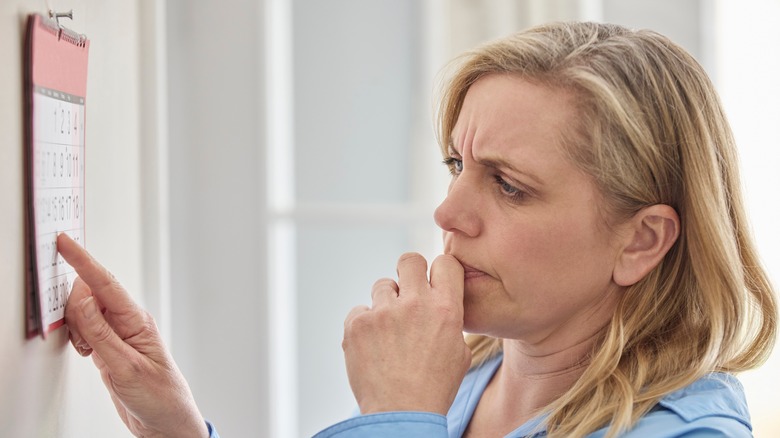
pixel 459 211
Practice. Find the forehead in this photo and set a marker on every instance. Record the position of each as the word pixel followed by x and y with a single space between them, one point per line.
pixel 518 128
pixel 508 112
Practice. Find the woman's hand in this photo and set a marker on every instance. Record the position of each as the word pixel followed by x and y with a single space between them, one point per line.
pixel 146 386
pixel 406 352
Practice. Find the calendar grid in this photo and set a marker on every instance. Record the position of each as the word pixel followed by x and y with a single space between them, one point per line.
pixel 58 194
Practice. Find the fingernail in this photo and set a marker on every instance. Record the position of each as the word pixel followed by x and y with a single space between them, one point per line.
pixel 89 307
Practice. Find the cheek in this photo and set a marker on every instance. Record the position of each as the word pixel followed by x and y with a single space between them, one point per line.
pixel 558 253
pixel 531 243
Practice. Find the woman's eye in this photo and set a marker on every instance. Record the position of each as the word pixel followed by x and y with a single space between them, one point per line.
pixel 513 192
pixel 455 165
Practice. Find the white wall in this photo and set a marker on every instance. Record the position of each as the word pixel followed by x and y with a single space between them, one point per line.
pixel 217 199
pixel 48 390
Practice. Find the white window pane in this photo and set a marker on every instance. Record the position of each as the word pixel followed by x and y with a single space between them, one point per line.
pixel 336 268
pixel 355 68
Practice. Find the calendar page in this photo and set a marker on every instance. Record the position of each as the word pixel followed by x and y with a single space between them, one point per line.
pixel 55 98
pixel 58 193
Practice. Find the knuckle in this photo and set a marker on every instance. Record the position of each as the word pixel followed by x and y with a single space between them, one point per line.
pixel 102 333
pixel 148 322
pixel 384 283
pixel 353 313
pixel 415 305
pixel 366 323
pixel 149 330
pixel 360 323
pixel 349 325
pixel 411 258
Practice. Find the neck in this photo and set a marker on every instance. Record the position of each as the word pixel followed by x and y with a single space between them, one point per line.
pixel 542 362
pixel 533 376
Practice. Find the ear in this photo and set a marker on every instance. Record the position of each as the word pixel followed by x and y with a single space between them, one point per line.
pixel 649 235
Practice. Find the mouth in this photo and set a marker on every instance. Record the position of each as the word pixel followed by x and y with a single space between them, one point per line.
pixel 471 272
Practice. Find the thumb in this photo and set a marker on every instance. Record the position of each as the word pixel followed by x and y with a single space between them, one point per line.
pixel 103 340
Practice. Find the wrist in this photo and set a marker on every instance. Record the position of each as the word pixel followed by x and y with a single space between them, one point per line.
pixel 193 431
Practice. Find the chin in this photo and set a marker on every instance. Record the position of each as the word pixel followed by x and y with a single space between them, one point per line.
pixel 474 323
pixel 493 324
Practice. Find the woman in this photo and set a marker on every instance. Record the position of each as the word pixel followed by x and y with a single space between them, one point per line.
pixel 595 208
pixel 597 252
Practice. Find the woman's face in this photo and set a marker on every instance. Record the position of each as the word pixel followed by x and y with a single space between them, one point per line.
pixel 524 221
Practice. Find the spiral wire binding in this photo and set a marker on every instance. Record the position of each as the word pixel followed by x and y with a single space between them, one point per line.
pixel 53 25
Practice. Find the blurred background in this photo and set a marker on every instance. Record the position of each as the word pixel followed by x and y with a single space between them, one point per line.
pixel 255 165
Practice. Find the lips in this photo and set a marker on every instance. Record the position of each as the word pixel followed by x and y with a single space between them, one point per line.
pixel 469 272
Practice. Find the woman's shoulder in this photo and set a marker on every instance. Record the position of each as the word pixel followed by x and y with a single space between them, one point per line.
pixel 713 406
pixel 715 394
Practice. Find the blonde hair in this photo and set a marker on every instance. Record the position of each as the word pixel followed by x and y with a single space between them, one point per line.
pixel 650 130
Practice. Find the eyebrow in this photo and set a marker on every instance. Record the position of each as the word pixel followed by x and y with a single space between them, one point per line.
pixel 497 163
pixel 500 163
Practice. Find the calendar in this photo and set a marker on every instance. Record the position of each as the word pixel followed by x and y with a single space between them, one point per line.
pixel 55 143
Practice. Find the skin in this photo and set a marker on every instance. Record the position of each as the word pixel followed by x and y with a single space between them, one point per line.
pixel 538 252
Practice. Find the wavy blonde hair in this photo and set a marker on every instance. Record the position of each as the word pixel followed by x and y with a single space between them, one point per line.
pixel 651 130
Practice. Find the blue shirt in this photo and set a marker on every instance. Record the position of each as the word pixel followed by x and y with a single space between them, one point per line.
pixel 713 406
pixel 212 430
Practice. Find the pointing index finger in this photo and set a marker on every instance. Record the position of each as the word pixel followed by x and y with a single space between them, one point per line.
pixel 100 281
